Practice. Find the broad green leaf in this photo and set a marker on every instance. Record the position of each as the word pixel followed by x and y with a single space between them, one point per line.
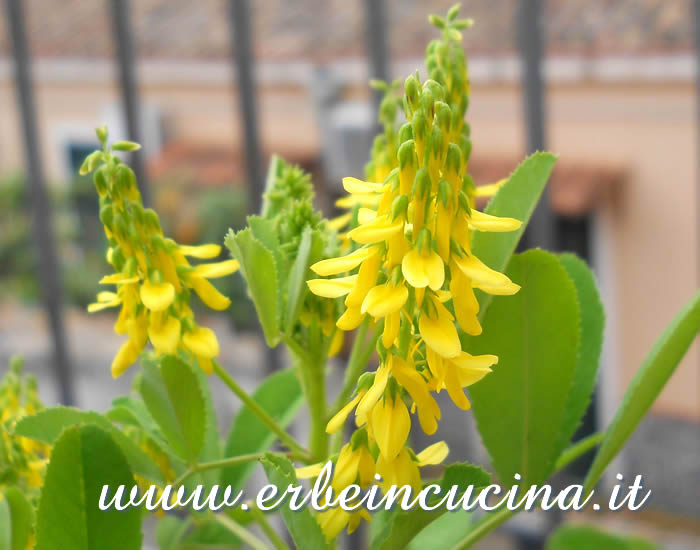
pixel 592 323
pixel 48 424
pixel 212 448
pixel 517 199
pixel 535 335
pixel 261 272
pixel 303 527
pixel 83 460
pixel 297 279
pixel 443 533
pixel 582 537
pixel 16 519
pixel 401 527
pixel 172 393
pixel 170 531
pixel 280 396
pixel 655 371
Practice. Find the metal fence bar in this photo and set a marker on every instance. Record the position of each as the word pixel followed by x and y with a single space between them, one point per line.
pixel 124 53
pixel 240 23
pixel 377 48
pixel 541 229
pixel 49 271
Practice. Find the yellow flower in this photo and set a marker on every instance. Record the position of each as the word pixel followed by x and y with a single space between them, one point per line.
pixel 391 424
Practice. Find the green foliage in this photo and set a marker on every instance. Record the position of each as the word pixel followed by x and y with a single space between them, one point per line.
pixel 302 526
pixel 517 199
pixel 651 378
pixel 581 537
pixel 401 527
pixel 83 460
pixel 173 395
pixel 516 404
pixel 16 519
pixel 280 396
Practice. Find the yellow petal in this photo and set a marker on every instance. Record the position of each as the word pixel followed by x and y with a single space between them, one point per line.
pixel 376 231
pixel 310 471
pixel 413 271
pixel 126 356
pixel 334 266
pixel 440 334
pixel 337 342
pixel 338 420
pixel 205 364
pixel 435 270
pixel 507 289
pixel 346 466
pixel 217 269
pixel 104 301
pixel 165 336
pixel 454 389
pixel 364 199
pixel 351 319
pixel 332 288
pixel 485 222
pixel 369 400
pixel 202 341
pixel 208 294
pixel 339 222
pixel 353 185
pixel 157 296
pixel 391 424
pixel 366 215
pixel 203 251
pixel 480 273
pixel 489 190
pixel 434 454
pixel 392 326
pixel 384 299
pixel 118 279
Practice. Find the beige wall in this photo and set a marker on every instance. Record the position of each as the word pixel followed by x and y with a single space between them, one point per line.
pixel 651 234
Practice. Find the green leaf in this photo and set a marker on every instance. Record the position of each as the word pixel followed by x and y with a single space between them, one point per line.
pixel 212 449
pixel 16 519
pixel 303 527
pixel 535 335
pixel 592 322
pixel 443 533
pixel 170 532
pixel 401 527
pixel 280 396
pixel 126 146
pixel 296 291
pixel 260 270
pixel 83 460
pixel 172 393
pixel 655 371
pixel 517 199
pixel 48 424
pixel 581 537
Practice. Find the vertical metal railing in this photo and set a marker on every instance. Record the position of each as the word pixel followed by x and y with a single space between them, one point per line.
pixel 42 220
pixel 124 54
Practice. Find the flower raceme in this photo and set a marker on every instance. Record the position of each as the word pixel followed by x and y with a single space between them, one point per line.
pixel 153 275
pixel 411 268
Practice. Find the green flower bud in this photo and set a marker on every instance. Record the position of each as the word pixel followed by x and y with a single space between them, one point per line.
pixel 444 192
pixel 405 132
pixel 453 161
pixel 422 183
pixel 100 181
pixel 107 216
pixel 412 92
pixel 102 134
pixel 399 207
pixel 90 162
pixel 444 116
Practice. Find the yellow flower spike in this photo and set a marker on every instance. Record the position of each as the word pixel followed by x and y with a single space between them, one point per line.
pixel 346 467
pixel 218 269
pixel 397 247
pixel 203 251
pixel 443 230
pixel 417 388
pixel 334 266
pixel 485 222
pixel 351 319
pixel 440 334
pixel 337 422
pixel 434 454
pixel 356 186
pixel 379 229
pixel 366 468
pixel 202 342
pixel 157 296
pixel 392 326
pixel 166 264
pixel 369 400
pixel 480 273
pixel 164 335
pixel 208 294
pixel 391 424
pixel 423 269
pixel 402 470
pixel 384 300
pixel 332 288
pixel 366 279
pixel 489 190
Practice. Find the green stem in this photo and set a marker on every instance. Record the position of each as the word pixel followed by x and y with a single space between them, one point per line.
pixel 359 356
pixel 316 395
pixel 491 521
pixel 241 532
pixel 275 539
pixel 256 409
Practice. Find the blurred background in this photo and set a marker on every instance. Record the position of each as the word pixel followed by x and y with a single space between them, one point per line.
pixel 213 88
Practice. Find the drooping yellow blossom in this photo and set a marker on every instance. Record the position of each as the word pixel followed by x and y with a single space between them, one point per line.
pixel 153 276
pixel 410 265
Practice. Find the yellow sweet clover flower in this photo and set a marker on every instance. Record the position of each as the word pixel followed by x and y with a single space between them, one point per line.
pixel 153 275
pixel 412 268
pixel 22 461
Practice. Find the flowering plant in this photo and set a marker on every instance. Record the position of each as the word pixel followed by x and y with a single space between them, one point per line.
pixel 416 276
